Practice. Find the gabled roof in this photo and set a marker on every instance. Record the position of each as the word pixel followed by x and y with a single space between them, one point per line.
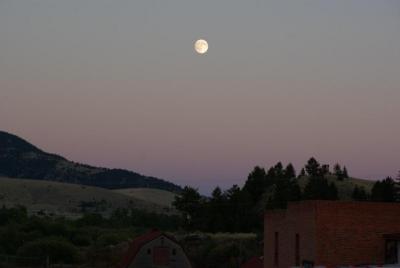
pixel 138 243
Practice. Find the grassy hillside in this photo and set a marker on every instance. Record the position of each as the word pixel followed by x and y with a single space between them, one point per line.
pixel 67 199
pixel 345 187
pixel 156 196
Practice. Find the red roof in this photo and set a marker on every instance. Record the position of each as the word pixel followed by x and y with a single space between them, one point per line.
pixel 255 262
pixel 137 244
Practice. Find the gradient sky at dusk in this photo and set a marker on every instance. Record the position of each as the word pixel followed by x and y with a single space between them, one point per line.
pixel 117 84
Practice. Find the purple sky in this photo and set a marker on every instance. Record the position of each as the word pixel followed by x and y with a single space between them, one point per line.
pixel 117 84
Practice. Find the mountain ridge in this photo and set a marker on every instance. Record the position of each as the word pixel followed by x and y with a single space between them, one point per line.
pixel 21 159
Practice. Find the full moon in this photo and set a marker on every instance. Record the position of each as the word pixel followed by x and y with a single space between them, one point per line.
pixel 201 46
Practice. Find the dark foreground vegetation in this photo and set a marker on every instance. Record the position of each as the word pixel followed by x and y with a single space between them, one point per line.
pixel 95 241
pixel 92 239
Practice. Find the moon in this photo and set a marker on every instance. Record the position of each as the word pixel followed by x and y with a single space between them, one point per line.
pixel 201 46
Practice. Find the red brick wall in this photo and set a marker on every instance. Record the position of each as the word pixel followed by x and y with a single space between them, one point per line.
pixel 332 233
pixel 299 218
pixel 351 233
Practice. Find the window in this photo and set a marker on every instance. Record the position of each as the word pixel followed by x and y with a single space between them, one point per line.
pixel 148 251
pixel 297 250
pixel 174 252
pixel 276 255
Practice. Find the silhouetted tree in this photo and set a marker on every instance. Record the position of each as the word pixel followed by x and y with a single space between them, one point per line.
pixel 216 213
pixel 337 169
pixel 284 191
pixel 256 183
pixel 318 188
pixel 384 191
pixel 279 172
pixel 302 172
pixel 290 172
pixel 345 173
pixel 359 194
pixel 313 167
pixel 324 170
pixel 189 202
pixel 271 173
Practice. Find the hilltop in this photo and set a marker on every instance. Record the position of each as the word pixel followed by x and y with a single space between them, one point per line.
pixel 21 159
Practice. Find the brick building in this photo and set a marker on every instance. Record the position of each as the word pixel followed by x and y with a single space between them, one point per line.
pixel 332 234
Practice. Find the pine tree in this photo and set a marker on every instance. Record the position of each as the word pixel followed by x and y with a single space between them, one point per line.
pixel 324 170
pixel 256 183
pixel 279 172
pixel 345 173
pixel 337 169
pixel 302 173
pixel 384 191
pixel 313 167
pixel 189 202
pixel 319 188
pixel 290 172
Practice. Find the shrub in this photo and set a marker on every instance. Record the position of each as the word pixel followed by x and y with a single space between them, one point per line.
pixel 58 251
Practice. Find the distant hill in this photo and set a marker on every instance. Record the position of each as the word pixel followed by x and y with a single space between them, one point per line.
pixel 68 199
pixel 156 196
pixel 20 159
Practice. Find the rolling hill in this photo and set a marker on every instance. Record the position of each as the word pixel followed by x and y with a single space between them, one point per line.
pixel 156 196
pixel 68 199
pixel 20 159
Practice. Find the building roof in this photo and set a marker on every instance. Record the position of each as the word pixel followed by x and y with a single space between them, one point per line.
pixel 314 204
pixel 254 262
pixel 138 243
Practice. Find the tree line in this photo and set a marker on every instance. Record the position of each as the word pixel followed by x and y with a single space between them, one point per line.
pixel 240 209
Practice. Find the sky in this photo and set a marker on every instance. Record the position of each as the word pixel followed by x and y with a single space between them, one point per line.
pixel 118 84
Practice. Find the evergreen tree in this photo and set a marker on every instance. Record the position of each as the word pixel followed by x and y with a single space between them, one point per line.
pixel 290 172
pixel 294 191
pixel 359 194
pixel 324 170
pixel 384 191
pixel 284 191
pixel 337 169
pixel 302 173
pixel 271 173
pixel 239 211
pixel 256 183
pixel 318 188
pixel 313 167
pixel 279 172
pixel 216 211
pixel 189 202
pixel 345 173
